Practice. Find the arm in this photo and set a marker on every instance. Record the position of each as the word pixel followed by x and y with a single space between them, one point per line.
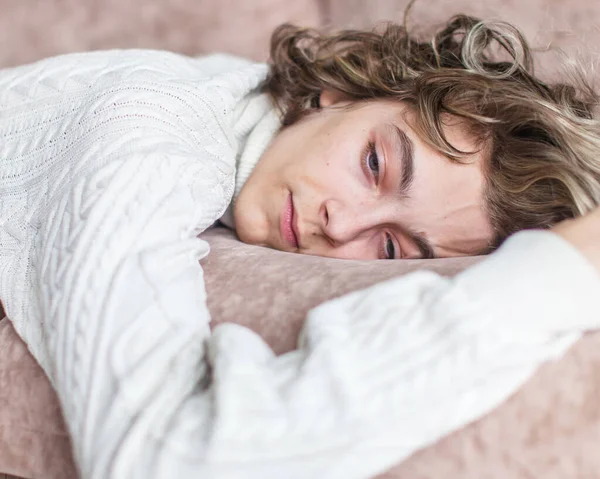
pixel 122 303
pixel 387 370
pixel 380 372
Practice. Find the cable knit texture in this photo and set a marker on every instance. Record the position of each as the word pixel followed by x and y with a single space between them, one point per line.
pixel 112 164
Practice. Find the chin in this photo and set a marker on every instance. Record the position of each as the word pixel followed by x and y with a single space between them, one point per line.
pixel 243 235
pixel 251 221
pixel 247 231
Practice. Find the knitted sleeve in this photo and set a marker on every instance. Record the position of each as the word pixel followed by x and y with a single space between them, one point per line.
pixel 122 300
pixel 385 371
pixel 148 393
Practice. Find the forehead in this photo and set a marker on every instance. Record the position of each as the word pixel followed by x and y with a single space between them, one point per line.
pixel 446 200
pixel 447 197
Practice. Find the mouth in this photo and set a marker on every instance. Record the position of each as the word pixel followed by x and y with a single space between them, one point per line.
pixel 288 223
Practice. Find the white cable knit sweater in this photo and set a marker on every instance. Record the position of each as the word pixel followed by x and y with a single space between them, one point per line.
pixel 111 164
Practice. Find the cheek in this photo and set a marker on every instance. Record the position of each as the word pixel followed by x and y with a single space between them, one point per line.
pixel 331 165
pixel 313 169
pixel 327 180
pixel 360 249
pixel 254 206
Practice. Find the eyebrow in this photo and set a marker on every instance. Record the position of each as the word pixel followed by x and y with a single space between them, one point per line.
pixel 404 152
pixel 422 243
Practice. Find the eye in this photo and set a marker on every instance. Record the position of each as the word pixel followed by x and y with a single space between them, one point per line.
pixel 390 249
pixel 371 160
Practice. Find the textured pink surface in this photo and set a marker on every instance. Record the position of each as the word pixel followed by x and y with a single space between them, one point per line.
pixel 33 440
pixel 549 429
pixel 33 29
pixel 568 25
pixel 277 289
pixel 267 297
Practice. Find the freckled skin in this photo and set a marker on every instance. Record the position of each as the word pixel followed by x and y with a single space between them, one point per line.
pixel 343 210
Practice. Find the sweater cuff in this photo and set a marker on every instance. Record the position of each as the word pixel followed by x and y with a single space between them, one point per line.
pixel 536 280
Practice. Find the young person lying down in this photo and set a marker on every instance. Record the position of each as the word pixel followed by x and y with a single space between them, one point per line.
pixel 366 145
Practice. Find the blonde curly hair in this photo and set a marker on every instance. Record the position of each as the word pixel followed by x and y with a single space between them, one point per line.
pixel 542 141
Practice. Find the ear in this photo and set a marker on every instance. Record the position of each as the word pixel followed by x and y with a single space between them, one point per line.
pixel 331 97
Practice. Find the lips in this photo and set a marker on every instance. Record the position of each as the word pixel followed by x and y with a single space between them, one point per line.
pixel 288 223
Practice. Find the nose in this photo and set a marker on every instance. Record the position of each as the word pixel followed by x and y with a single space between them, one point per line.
pixel 343 222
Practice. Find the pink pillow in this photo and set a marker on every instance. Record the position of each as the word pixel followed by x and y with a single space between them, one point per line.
pixel 33 439
pixel 271 291
pixel 548 429
pixel 267 290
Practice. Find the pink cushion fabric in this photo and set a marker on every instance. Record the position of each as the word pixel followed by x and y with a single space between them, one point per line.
pixel 271 291
pixel 545 430
pixel 549 429
pixel 53 27
pixel 33 439
pixel 266 290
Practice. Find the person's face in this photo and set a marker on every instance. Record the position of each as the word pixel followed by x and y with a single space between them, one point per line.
pixel 358 183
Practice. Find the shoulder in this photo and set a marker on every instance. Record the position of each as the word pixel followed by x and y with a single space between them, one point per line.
pixel 189 98
pixel 109 66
